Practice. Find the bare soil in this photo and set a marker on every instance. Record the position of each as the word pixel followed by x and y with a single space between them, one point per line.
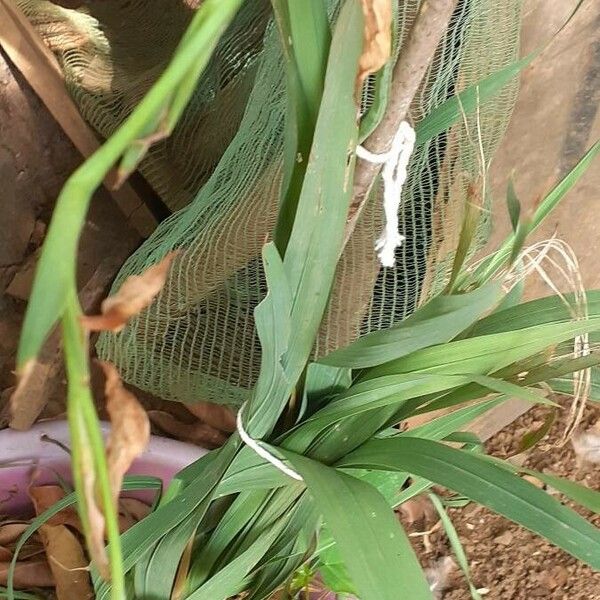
pixel 508 562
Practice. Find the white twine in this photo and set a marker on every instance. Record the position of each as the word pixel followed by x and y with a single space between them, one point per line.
pixel 395 163
pixel 261 451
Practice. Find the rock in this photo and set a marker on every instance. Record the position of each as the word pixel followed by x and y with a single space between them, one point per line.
pixel 505 539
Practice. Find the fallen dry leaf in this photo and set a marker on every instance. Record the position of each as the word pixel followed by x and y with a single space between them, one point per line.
pixel 127 518
pixel 29 574
pixel 216 415
pixel 377 38
pixel 67 563
pixel 418 509
pixel 136 293
pixel 194 433
pixel 11 532
pixel 130 428
pixel 45 496
pixel 134 509
pixel 180 584
pixel 94 528
pixel 534 481
pixel 5 554
pixel 32 380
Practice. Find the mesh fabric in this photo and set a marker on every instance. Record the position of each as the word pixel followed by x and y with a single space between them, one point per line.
pixel 221 172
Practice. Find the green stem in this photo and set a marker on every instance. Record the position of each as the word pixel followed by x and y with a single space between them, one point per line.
pixel 54 293
pixel 86 437
pixel 55 277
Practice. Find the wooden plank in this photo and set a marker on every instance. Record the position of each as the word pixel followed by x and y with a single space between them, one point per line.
pixel 488 424
pixel 499 417
pixel 40 68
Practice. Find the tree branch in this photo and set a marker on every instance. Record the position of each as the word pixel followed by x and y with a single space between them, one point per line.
pixel 414 59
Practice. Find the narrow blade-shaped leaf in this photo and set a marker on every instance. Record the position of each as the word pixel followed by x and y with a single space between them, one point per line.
pixel 316 239
pixel 487 353
pixel 440 320
pixel 373 545
pixel 488 484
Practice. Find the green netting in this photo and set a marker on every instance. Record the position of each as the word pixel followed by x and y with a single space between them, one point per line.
pixel 113 51
pixel 223 166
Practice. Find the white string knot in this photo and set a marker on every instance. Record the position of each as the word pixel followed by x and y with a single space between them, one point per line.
pixel 261 450
pixel 394 172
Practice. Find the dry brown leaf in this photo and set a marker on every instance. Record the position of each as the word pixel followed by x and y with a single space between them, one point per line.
pixel 5 554
pixel 45 496
pixel 11 532
pixel 418 509
pixel 31 549
pixel 181 581
pixel 30 574
pixel 94 529
pixel 377 38
pixel 216 415
pixel 130 428
pixel 32 382
pixel 67 563
pixel 195 433
pixel 504 539
pixel 534 481
pixel 134 508
pixel 136 293
pixel 131 511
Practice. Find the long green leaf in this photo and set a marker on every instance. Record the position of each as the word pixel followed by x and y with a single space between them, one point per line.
pixel 242 511
pixel 373 545
pixel 317 237
pixel 488 484
pixel 457 547
pixel 305 39
pixel 156 573
pixel 394 389
pixel 55 274
pixel 195 497
pixel 230 580
pixel 311 38
pixel 577 492
pixel 550 309
pixel 584 496
pixel 467 101
pixel 439 321
pixel 564 385
pixel 272 317
pixel 248 471
pixel 486 353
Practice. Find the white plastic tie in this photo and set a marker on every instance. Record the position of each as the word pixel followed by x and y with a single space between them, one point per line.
pixel 262 451
pixel 394 173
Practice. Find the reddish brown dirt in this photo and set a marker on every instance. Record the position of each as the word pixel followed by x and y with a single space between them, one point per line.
pixel 36 158
pixel 510 562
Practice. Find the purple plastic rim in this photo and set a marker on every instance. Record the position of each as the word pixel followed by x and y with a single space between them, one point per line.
pixel 28 457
